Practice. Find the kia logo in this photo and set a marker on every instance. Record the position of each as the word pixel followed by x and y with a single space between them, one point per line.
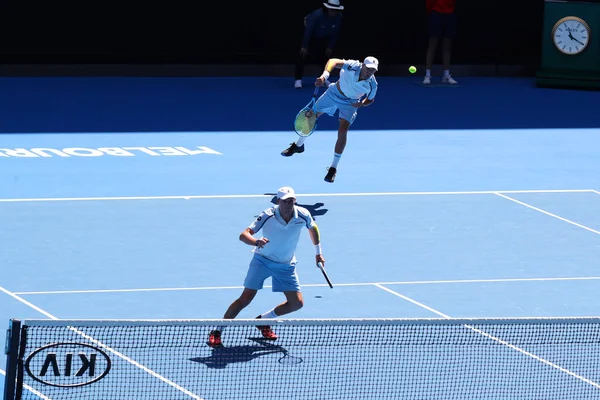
pixel 68 364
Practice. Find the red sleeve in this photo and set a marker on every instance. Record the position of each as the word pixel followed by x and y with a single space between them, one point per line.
pixel 429 5
pixel 450 5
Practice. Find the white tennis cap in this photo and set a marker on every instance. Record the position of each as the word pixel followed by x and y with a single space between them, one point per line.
pixel 371 62
pixel 333 4
pixel 286 192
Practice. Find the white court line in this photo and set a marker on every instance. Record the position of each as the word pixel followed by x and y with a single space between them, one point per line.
pixel 120 355
pixel 549 213
pixel 498 340
pixel 245 196
pixel 412 301
pixel 595 191
pixel 32 390
pixel 174 289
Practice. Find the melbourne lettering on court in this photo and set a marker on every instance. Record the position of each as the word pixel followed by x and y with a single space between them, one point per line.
pixel 106 151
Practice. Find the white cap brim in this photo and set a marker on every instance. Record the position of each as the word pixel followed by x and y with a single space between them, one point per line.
pixel 333 7
pixel 374 66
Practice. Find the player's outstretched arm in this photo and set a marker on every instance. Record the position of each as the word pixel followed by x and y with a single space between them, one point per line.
pixel 331 64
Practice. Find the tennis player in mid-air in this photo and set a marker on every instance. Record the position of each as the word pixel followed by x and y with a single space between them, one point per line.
pixel 355 88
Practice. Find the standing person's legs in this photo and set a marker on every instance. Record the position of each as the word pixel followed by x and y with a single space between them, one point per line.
pixel 434 26
pixel 299 69
pixel 315 55
pixel 449 31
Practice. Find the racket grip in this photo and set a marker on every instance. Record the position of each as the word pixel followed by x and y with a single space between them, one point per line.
pixel 320 265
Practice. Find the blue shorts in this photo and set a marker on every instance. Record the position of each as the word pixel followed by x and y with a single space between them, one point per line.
pixel 332 100
pixel 283 276
pixel 442 25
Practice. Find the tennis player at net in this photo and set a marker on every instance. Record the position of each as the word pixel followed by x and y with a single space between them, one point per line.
pixel 355 88
pixel 274 256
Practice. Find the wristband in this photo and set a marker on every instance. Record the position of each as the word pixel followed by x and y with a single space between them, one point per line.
pixel 325 75
pixel 256 243
pixel 318 249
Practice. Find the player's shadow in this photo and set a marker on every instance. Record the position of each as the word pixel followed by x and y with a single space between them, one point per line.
pixel 223 356
pixel 314 209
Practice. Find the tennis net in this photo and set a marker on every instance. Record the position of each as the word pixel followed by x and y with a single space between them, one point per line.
pixel 528 358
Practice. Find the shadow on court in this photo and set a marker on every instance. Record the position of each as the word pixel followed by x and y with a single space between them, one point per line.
pixel 314 209
pixel 223 356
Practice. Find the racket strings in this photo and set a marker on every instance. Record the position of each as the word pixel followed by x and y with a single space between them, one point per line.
pixel 305 122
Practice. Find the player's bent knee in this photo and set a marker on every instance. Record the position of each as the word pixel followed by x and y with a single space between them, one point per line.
pixel 246 297
pixel 243 302
pixel 297 304
pixel 342 132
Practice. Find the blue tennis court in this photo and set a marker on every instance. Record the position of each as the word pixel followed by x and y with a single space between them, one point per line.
pixel 129 206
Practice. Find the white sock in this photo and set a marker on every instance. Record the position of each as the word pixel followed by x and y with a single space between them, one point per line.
pixel 270 314
pixel 336 160
pixel 428 72
pixel 300 141
pixel 446 72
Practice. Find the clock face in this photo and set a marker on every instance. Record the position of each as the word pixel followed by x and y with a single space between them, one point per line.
pixel 571 35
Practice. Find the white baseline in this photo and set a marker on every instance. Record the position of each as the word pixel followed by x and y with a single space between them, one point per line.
pixel 246 196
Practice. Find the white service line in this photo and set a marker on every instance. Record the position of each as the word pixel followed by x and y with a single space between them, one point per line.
pixel 549 213
pixel 440 282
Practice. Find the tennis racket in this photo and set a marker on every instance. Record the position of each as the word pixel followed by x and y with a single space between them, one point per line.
pixel 287 359
pixel 305 122
pixel 322 268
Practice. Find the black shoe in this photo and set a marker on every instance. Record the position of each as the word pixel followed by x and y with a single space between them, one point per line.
pixel 292 149
pixel 330 177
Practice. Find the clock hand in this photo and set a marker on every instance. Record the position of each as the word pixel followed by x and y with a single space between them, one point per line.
pixel 571 36
pixel 578 41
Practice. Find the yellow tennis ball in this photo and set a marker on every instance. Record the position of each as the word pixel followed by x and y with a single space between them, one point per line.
pixel 412 69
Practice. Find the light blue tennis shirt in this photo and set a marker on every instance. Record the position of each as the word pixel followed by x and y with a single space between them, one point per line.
pixel 351 86
pixel 283 237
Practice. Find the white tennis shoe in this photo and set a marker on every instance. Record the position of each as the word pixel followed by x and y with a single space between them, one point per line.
pixel 448 79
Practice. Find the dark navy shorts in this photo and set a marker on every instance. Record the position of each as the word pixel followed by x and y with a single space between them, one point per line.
pixel 442 25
